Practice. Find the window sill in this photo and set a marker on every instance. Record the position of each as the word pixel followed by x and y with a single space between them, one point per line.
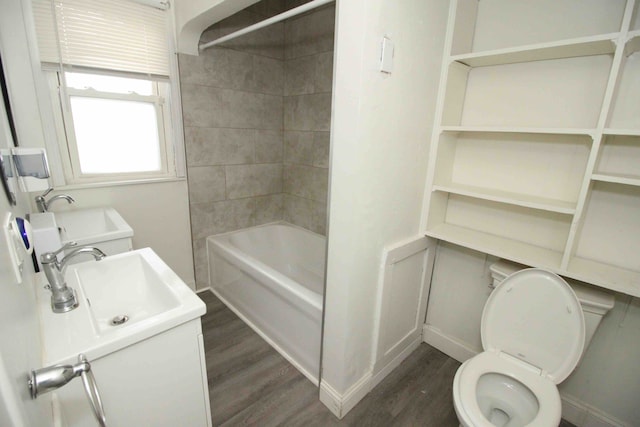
pixel 143 181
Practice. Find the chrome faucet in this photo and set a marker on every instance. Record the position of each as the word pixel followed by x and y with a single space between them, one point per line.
pixel 43 204
pixel 63 298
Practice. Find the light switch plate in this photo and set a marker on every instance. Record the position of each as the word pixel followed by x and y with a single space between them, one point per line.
pixel 386 55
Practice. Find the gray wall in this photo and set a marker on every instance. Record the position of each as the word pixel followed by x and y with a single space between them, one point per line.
pixel 308 70
pixel 256 115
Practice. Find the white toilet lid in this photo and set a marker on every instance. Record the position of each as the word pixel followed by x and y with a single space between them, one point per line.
pixel 534 315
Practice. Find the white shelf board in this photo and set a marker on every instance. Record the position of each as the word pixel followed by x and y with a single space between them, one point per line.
pixel 633 43
pixel 498 246
pixel 583 46
pixel 617 178
pixel 627 132
pixel 605 275
pixel 496 129
pixel 507 197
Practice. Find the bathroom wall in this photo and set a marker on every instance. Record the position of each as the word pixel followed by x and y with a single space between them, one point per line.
pixel 260 102
pixel 602 391
pixel 379 153
pixel 232 108
pixel 157 211
pixel 20 345
pixel 308 70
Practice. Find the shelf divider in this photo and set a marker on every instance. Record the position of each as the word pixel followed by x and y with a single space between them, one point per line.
pixel 624 132
pixel 605 275
pixel 498 129
pixel 510 198
pixel 582 46
pixel 633 42
pixel 617 178
pixel 498 246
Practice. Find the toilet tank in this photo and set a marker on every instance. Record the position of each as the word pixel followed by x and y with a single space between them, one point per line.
pixel 595 303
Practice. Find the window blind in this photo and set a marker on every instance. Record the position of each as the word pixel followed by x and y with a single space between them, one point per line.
pixel 107 34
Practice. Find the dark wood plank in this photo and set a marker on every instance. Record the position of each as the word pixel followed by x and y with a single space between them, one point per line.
pixel 250 384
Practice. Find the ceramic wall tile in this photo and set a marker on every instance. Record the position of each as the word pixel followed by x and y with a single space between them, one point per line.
pixel 311 33
pixel 246 110
pixel 298 211
pixel 201 263
pixel 300 75
pixel 305 213
pixel 253 180
pixel 308 112
pixel 323 78
pixel 321 146
pixel 193 69
pixel 268 41
pixel 219 146
pixel 219 217
pixel 206 184
pixel 319 218
pixel 269 146
pixel 196 105
pixel 269 208
pixel 268 75
pixel 268 8
pixel 298 147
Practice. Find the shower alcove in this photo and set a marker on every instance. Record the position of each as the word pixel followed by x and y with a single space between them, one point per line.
pixel 256 112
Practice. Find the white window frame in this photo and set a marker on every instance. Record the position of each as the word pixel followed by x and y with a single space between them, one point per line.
pixel 56 136
pixel 67 140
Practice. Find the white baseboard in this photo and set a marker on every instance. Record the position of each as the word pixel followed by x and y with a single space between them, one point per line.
pixel 582 414
pixel 381 373
pixel 208 289
pixel 341 404
pixel 446 344
pixel 574 410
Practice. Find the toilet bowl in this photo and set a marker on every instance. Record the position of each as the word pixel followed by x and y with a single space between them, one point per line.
pixel 533 334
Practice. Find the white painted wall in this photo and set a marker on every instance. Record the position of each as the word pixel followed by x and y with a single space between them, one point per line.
pixel 20 346
pixel 380 131
pixel 157 212
pixel 605 386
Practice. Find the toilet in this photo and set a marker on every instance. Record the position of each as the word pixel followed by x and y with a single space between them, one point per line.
pixel 534 329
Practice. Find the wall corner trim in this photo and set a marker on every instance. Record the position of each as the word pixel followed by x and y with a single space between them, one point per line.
pixel 341 404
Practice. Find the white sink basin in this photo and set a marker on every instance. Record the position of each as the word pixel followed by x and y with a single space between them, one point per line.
pixel 90 226
pixel 137 284
pixel 128 286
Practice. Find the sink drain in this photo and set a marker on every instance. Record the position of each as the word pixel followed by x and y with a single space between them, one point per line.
pixel 119 320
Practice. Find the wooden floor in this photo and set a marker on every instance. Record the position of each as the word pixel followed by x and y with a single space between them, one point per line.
pixel 250 384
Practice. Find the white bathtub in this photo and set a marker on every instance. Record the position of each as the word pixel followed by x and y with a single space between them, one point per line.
pixel 272 276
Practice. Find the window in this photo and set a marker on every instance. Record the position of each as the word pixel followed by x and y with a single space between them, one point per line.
pixel 111 88
pixel 114 128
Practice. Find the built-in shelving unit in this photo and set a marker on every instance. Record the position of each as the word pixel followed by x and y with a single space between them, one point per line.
pixel 535 156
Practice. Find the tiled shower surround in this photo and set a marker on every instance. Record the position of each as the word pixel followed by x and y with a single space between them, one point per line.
pixel 257 117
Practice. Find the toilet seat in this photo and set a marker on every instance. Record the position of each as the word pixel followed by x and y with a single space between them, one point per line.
pixel 532 331
pixel 535 316
pixel 466 380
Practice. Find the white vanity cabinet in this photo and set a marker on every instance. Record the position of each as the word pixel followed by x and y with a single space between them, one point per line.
pixel 535 154
pixel 138 325
pixel 160 382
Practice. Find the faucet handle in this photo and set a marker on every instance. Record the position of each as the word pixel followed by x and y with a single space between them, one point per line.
pixel 46 193
pixel 49 257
